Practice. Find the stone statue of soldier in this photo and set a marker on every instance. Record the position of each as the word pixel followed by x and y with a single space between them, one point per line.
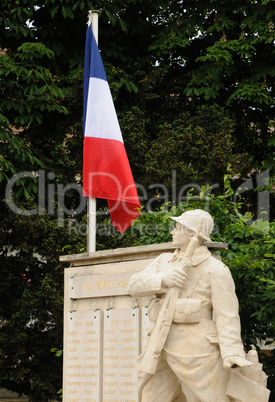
pixel 193 353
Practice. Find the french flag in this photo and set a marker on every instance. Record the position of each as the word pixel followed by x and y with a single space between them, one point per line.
pixel 106 170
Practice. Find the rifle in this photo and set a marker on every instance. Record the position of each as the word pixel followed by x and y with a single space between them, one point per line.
pixel 150 359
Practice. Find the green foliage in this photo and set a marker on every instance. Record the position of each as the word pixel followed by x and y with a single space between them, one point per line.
pixel 31 297
pixel 199 147
pixel 13 147
pixel 29 92
pixel 165 58
pixel 133 125
pixel 27 87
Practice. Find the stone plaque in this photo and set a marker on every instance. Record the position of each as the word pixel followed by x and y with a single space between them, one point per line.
pixel 83 374
pixel 120 351
pixel 146 326
pixel 99 285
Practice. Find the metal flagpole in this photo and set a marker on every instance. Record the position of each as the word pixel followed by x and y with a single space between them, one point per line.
pixel 91 203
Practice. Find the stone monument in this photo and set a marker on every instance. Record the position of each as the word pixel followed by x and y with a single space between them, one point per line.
pixel 105 329
pixel 195 352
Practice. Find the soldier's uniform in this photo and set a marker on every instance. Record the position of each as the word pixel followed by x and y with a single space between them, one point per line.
pixel 205 329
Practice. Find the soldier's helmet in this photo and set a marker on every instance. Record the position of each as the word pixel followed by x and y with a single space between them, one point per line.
pixel 193 218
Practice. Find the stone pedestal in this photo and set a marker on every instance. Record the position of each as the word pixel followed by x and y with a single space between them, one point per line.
pixel 104 328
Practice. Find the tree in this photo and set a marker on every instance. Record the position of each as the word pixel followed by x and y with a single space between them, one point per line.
pixel 225 54
pixel 31 297
pixel 209 51
pixel 198 148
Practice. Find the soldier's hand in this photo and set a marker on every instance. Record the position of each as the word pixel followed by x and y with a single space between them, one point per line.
pixel 235 361
pixel 174 277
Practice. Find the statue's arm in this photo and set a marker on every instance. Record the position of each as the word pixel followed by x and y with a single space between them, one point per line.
pixel 226 306
pixel 147 282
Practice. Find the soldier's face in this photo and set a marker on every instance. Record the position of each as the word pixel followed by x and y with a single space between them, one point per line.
pixel 180 236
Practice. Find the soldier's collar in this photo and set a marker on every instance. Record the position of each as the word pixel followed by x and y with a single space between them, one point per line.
pixel 201 254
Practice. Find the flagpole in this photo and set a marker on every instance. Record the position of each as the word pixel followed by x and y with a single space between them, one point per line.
pixel 91 205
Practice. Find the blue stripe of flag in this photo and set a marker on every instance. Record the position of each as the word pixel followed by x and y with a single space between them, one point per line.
pixel 93 67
